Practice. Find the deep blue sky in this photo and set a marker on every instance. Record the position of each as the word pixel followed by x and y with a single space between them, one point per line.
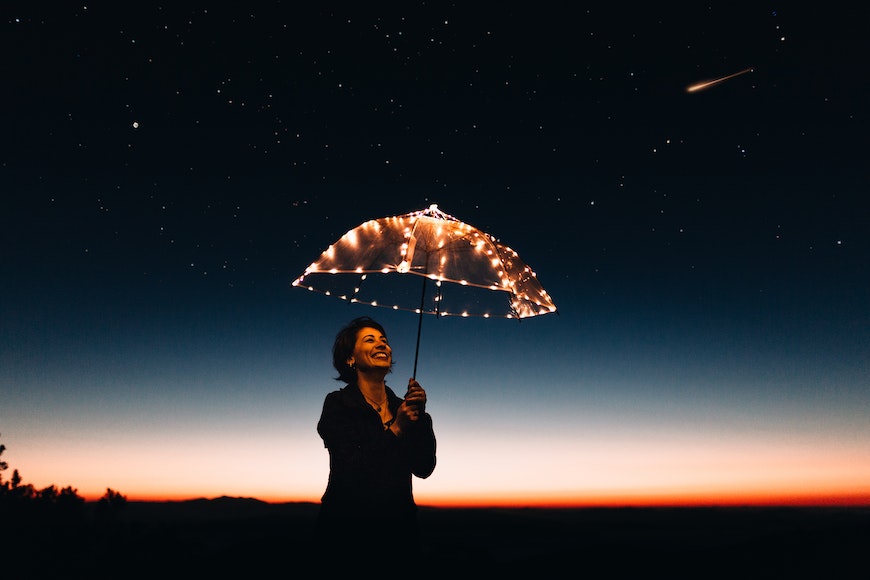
pixel 168 171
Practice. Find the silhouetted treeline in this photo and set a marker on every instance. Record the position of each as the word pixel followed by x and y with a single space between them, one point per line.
pixel 22 504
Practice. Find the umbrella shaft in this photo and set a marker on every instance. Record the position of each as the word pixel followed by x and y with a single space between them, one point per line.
pixel 419 327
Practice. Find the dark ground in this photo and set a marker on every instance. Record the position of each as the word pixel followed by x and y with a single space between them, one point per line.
pixel 247 538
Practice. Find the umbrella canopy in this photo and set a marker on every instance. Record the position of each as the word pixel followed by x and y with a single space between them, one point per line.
pixel 363 266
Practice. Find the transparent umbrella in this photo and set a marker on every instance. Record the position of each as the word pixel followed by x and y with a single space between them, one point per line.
pixel 388 262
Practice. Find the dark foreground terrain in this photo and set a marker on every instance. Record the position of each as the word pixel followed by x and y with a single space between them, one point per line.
pixel 246 538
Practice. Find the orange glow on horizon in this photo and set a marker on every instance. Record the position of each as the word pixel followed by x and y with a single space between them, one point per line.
pixel 603 500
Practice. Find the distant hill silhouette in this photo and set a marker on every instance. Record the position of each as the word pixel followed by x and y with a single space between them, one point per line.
pixel 216 509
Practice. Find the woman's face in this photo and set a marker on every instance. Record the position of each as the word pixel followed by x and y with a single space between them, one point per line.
pixel 371 351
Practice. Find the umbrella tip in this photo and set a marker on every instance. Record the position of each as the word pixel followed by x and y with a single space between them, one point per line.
pixel 433 207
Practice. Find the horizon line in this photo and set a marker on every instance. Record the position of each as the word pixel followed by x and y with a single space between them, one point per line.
pixel 857 501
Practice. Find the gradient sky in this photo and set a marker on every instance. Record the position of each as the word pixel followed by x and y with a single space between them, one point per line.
pixel 168 171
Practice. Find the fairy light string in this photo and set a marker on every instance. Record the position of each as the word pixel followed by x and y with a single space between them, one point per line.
pixel 438 246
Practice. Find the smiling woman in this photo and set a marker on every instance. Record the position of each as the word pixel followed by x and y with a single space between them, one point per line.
pixel 376 442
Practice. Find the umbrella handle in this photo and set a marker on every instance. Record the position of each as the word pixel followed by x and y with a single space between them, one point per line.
pixel 419 327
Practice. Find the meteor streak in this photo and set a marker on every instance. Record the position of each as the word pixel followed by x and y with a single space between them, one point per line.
pixel 708 84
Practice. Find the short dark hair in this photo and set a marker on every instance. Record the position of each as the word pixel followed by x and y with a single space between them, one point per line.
pixel 345 340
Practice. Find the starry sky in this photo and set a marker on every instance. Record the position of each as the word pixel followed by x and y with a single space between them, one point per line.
pixel 169 169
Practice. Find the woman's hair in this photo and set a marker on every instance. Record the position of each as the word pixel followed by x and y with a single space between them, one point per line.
pixel 344 343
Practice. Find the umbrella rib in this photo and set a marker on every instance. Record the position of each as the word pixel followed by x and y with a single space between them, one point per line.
pixel 356 289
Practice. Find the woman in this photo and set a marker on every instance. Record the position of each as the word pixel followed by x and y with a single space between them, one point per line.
pixel 376 442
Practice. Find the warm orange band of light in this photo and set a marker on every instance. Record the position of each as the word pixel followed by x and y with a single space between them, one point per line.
pixel 737 499
pixel 616 499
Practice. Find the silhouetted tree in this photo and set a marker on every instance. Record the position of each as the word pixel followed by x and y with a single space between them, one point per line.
pixel 19 491
pixel 53 505
pixel 109 506
pixel 50 503
pixel 3 467
pixel 48 494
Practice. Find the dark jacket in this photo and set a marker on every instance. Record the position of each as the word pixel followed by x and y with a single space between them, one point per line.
pixel 370 468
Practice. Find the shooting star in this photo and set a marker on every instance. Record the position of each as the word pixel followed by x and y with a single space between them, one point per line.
pixel 708 84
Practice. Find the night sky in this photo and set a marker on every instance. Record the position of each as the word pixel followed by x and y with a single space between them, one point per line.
pixel 168 170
